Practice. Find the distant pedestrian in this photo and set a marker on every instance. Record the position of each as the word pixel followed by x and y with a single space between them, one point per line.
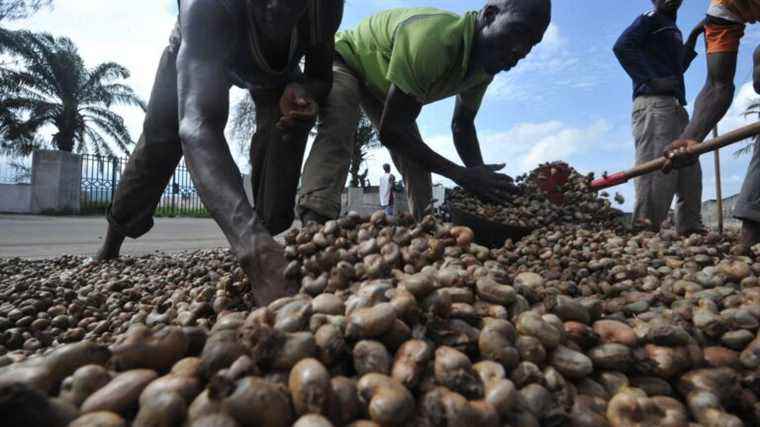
pixel 387 182
pixel 654 55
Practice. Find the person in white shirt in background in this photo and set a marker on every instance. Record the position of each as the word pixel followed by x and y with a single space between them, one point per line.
pixel 387 182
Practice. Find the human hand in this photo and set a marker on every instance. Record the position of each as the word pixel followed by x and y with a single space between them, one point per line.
pixel 296 106
pixel 677 155
pixel 266 270
pixel 485 182
pixel 698 30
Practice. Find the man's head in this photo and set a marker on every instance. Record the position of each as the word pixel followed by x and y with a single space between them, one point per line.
pixel 276 18
pixel 667 6
pixel 387 168
pixel 507 30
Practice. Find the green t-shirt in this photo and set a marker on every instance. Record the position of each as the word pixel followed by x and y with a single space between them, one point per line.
pixel 425 52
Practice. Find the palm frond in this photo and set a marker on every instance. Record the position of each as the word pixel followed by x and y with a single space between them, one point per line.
pixel 115 129
pixel 51 85
pixel 20 9
pixel 752 109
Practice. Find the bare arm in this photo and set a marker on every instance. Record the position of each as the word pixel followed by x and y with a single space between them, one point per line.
pixel 203 110
pixel 319 58
pixel 299 103
pixel 399 118
pixel 716 96
pixel 465 135
pixel 691 44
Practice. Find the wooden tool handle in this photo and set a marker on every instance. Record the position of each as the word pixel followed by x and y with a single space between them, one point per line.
pixel 654 165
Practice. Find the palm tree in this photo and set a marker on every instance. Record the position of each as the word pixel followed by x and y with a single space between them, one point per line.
pixel 365 140
pixel 15 136
pixel 52 86
pixel 243 123
pixel 19 9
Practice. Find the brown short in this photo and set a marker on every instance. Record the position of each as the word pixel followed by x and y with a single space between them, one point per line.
pixel 723 36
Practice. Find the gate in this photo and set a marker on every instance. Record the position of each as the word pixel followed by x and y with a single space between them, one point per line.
pixel 101 176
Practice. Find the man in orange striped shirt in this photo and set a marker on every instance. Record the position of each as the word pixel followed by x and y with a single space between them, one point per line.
pixel 724 29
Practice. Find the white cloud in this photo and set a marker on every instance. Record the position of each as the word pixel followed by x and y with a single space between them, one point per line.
pixel 527 145
pixel 735 117
pixel 552 66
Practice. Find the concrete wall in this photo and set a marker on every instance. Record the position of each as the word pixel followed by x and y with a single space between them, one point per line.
pixel 55 188
pixel 56 182
pixel 710 212
pixel 367 201
pixel 16 198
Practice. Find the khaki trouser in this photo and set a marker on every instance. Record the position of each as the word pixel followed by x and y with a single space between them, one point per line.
pixel 326 169
pixel 658 121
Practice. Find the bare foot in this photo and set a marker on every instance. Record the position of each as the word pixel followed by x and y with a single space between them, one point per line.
pixel 111 245
pixel 266 271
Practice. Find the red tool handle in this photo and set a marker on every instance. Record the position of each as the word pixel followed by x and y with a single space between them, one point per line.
pixel 655 165
pixel 609 181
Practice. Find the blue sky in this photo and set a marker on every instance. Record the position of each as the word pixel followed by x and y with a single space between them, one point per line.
pixel 569 100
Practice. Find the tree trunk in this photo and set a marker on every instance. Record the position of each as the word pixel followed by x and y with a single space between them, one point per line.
pixel 64 142
pixel 66 124
pixel 356 163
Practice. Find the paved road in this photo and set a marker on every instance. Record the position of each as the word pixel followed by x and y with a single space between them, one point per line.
pixel 42 237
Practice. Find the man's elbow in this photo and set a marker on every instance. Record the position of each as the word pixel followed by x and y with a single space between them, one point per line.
pixel 188 130
pixel 619 49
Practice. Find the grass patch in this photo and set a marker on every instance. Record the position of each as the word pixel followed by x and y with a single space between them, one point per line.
pixel 168 212
pixel 100 208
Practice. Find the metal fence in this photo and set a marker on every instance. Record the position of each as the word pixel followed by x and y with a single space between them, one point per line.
pixel 101 176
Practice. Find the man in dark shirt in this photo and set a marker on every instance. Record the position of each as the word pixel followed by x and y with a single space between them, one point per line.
pixel 653 54
pixel 255 45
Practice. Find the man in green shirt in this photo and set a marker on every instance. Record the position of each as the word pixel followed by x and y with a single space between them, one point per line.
pixel 395 62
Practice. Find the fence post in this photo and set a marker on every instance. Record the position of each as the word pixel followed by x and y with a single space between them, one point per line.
pixel 718 186
pixel 174 194
pixel 114 165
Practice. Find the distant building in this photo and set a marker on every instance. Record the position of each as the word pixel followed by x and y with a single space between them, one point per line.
pixel 710 212
pixel 366 201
